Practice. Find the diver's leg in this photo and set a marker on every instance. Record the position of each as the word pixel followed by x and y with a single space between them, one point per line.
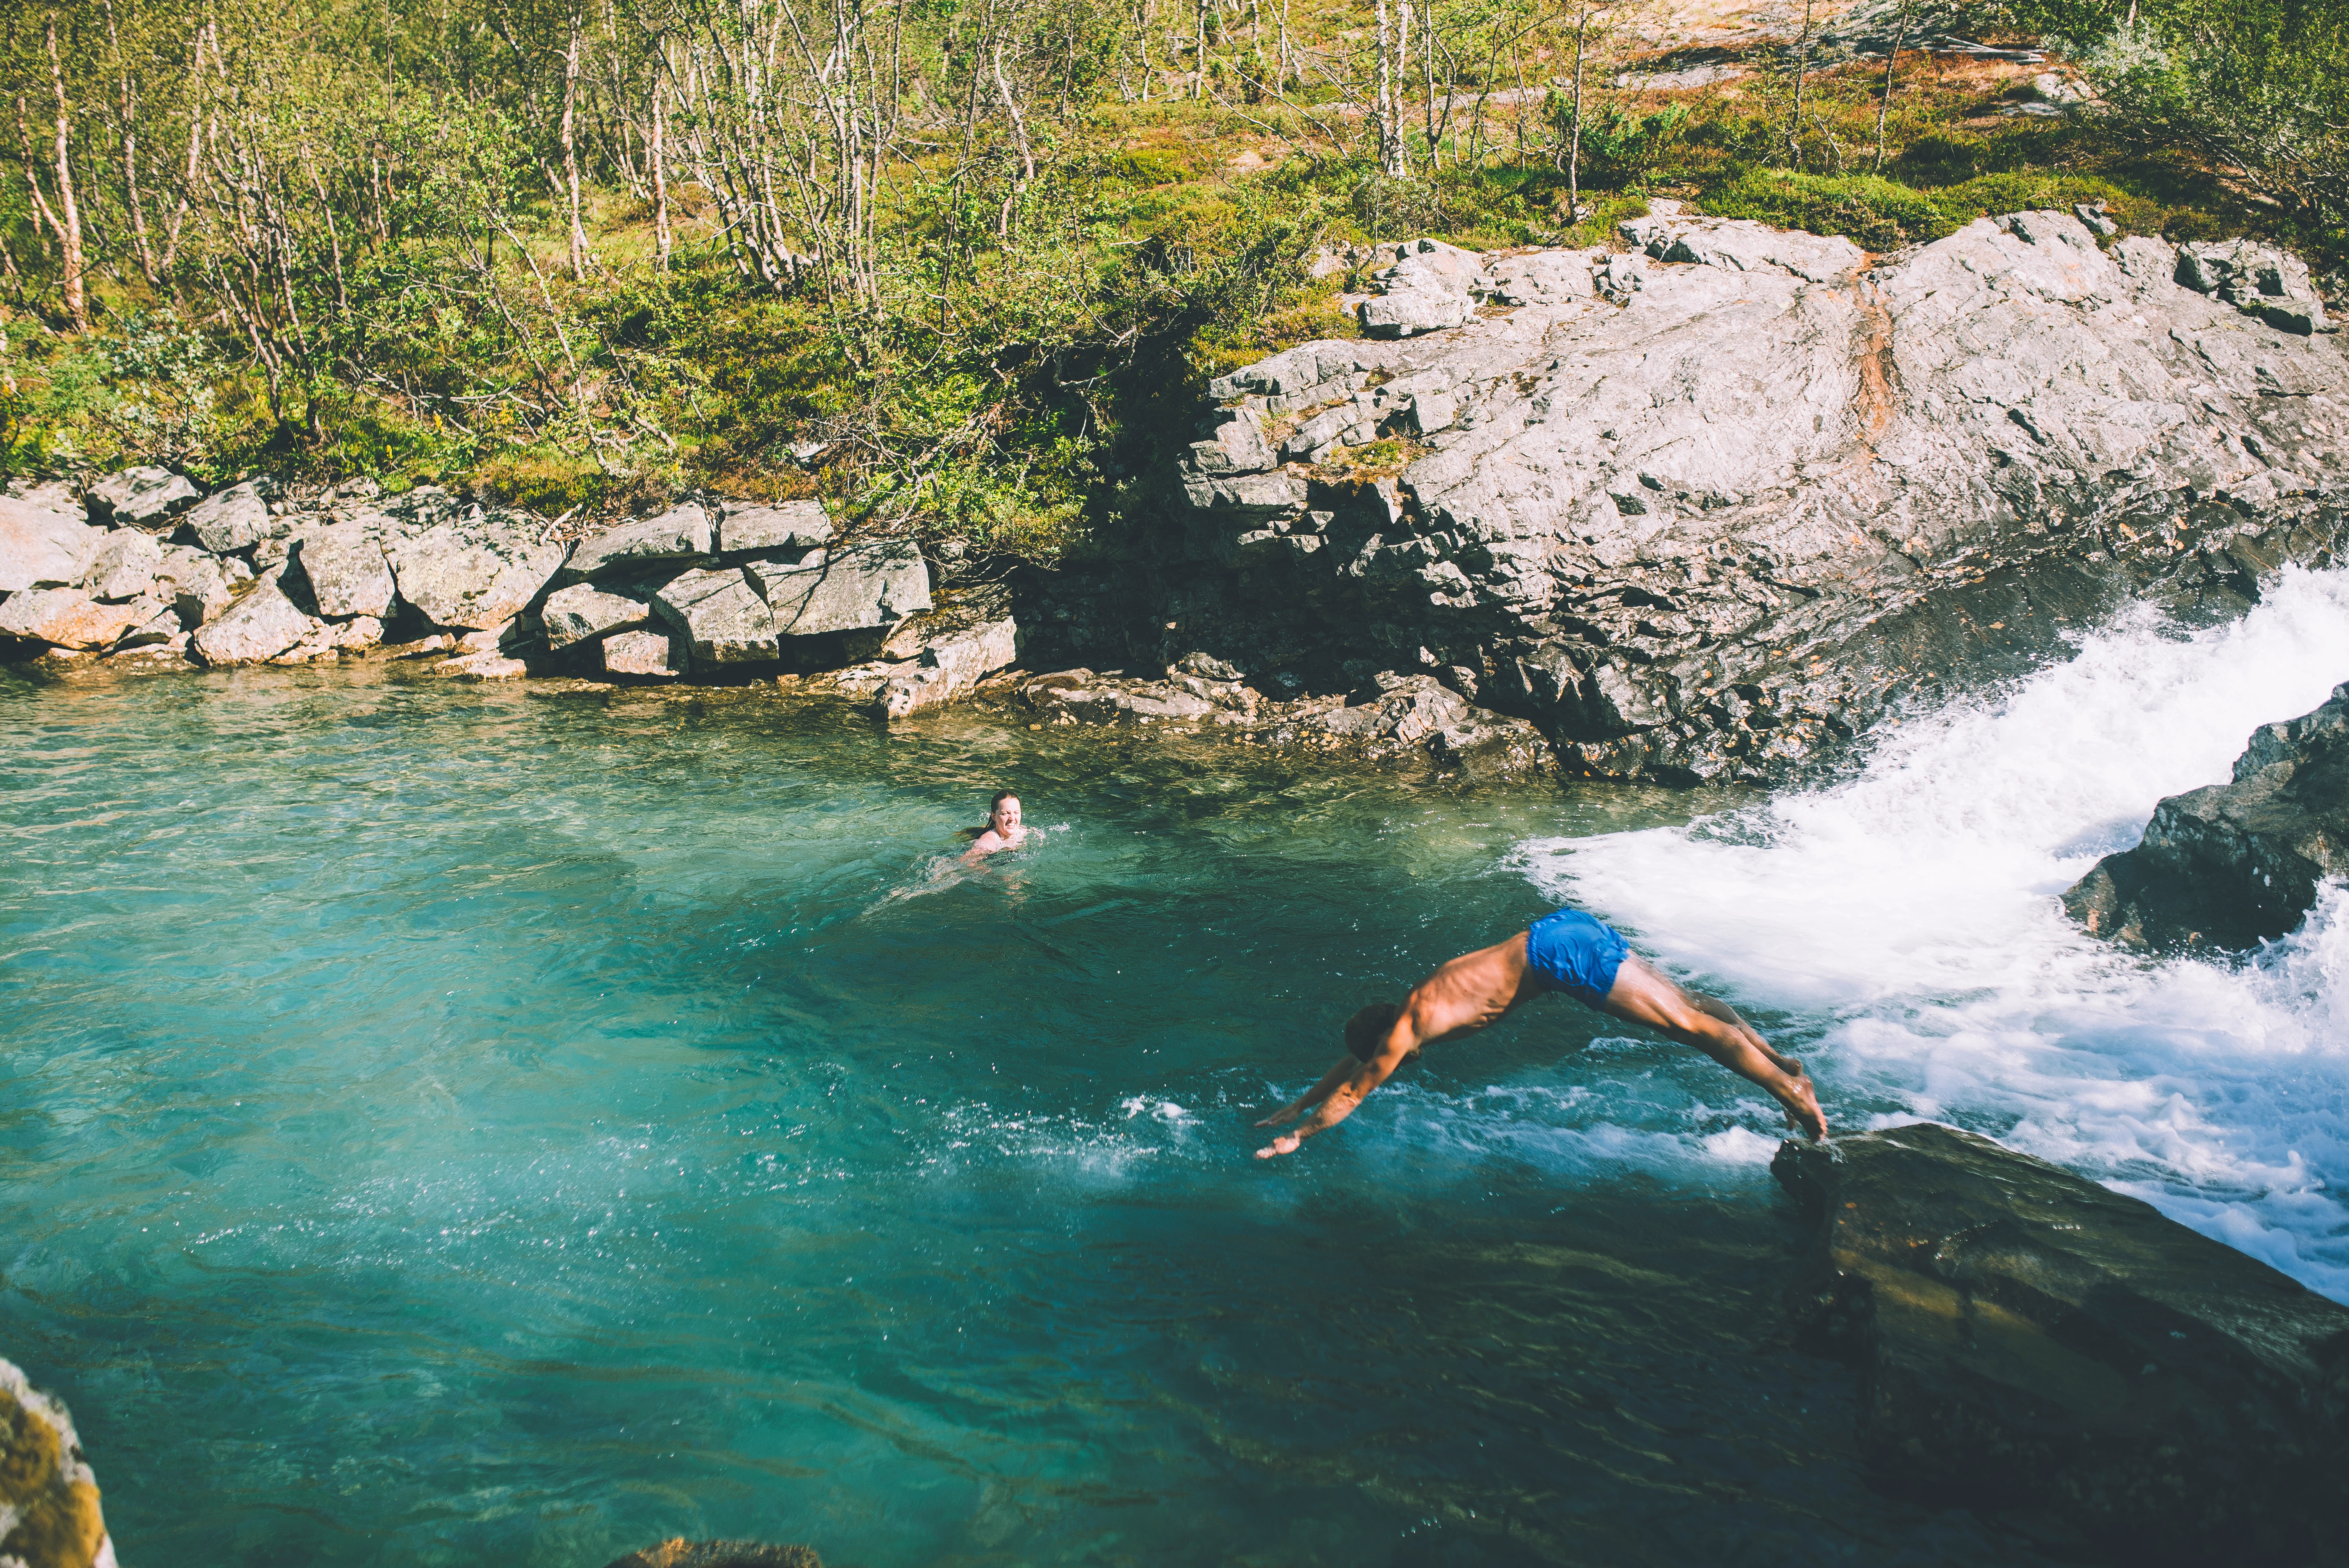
pixel 1642 995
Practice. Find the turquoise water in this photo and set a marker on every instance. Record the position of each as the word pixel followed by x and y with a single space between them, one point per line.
pixel 441 1124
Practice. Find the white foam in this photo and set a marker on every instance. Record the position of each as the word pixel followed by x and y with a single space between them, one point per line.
pixel 1905 919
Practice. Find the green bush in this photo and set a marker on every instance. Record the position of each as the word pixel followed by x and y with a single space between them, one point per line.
pixel 2030 190
pixel 1878 214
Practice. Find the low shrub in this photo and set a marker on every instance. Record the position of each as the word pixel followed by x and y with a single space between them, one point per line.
pixel 1878 214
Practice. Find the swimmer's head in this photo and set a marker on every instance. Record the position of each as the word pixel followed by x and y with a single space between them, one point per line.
pixel 1003 813
pixel 1367 1030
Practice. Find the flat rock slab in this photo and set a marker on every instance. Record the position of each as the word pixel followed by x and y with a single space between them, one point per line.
pixel 844 590
pixel 344 569
pixel 786 526
pixel 69 618
pixel 2028 1339
pixel 236 519
pixel 477 572
pixel 583 611
pixel 43 548
pixel 950 667
pixel 2232 865
pixel 256 628
pixel 680 533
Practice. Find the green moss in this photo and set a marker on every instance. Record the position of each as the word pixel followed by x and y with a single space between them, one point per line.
pixel 1878 214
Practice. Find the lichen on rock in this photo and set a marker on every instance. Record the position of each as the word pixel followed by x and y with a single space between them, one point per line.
pixel 49 1514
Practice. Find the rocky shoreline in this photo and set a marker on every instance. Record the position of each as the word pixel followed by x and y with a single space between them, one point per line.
pixel 1703 508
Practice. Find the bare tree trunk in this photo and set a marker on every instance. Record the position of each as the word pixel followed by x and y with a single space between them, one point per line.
pixel 1383 112
pixel 571 151
pixel 1802 80
pixel 663 238
pixel 1199 52
pixel 64 220
pixel 1574 144
pixel 1884 104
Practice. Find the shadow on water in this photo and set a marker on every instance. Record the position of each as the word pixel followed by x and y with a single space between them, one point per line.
pixel 449 1125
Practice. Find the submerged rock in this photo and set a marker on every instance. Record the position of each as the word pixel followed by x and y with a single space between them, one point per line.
pixel 2030 1340
pixel 680 1552
pixel 1707 509
pixel 49 1514
pixel 2233 865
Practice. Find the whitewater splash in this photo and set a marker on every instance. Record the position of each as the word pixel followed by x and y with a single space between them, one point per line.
pixel 1906 921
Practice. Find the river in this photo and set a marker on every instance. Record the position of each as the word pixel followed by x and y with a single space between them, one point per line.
pixel 451 1124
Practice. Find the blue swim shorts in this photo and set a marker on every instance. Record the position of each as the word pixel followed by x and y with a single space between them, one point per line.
pixel 1575 953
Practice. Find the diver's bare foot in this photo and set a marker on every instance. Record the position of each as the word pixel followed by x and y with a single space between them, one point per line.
pixel 1801 1104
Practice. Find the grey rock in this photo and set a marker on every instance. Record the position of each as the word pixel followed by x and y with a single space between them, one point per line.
pixel 680 533
pixel 949 667
pixel 343 569
pixel 256 628
pixel 235 519
pixel 791 525
pixel 124 566
pixel 843 589
pixel 141 496
pixel 198 586
pixel 584 612
pixel 1237 446
pixel 1406 313
pixel 477 572
pixel 722 616
pixel 2256 279
pixel 1717 525
pixel 647 654
pixel 2029 1340
pixel 488 664
pixel 41 547
pixel 1079 697
pixel 69 618
pixel 2231 865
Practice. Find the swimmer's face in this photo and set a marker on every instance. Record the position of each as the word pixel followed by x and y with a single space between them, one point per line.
pixel 1005 818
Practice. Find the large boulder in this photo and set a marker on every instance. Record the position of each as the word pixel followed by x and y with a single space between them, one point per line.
pixel 2258 280
pixel 49 1513
pixel 257 628
pixel 2233 865
pixel 474 572
pixel 141 498
pixel 124 566
pixel 949 666
pixel 1706 509
pixel 2028 1339
pixel 41 547
pixel 198 586
pixel 233 520
pixel 720 615
pixel 848 588
pixel 343 570
pixel 680 533
pixel 69 618
pixel 649 654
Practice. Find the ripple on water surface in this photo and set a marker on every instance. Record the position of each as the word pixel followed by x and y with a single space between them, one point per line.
pixel 450 1124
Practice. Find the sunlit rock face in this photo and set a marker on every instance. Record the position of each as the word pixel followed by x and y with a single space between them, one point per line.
pixel 1704 507
pixel 49 1515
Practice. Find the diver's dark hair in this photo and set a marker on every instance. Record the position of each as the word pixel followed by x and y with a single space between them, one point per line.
pixel 1367 1030
pixel 1000 797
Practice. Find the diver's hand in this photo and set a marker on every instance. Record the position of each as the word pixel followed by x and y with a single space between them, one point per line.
pixel 1285 1114
pixel 1286 1144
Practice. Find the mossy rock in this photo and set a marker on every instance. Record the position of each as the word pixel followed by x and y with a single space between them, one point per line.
pixel 48 1498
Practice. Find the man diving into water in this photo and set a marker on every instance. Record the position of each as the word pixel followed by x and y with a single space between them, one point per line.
pixel 1567 952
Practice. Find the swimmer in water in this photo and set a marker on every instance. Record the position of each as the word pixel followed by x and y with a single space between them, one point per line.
pixel 1003 829
pixel 1567 952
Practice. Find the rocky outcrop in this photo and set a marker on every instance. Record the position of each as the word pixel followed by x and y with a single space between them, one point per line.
pixel 1707 506
pixel 257 628
pixel 2028 1340
pixel 475 573
pixel 236 519
pixel 69 618
pixel 49 1514
pixel 2232 865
